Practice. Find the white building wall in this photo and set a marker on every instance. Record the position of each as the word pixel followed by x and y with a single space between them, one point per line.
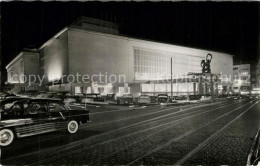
pixel 91 53
pixel 86 53
pixel 16 71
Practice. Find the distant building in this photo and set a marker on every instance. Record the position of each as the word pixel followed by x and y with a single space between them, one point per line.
pixel 257 84
pixel 19 70
pixel 253 74
pixel 241 79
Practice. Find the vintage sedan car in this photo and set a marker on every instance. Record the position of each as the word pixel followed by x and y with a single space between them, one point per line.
pixel 162 98
pixel 143 99
pixel 28 93
pixel 42 94
pixel 180 99
pixel 91 98
pixel 36 116
pixel 72 99
pixel 194 99
pixel 206 99
pixel 126 99
pixel 111 97
pixel 66 99
pixel 153 99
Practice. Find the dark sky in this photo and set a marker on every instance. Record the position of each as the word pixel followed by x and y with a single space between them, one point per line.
pixel 226 27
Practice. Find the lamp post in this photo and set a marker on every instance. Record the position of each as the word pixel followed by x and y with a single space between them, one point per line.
pixel 171 77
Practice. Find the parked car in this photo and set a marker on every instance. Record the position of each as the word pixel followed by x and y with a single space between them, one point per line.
pixel 4 95
pixel 28 93
pixel 143 99
pixel 194 98
pixel 180 99
pixel 58 97
pixel 58 94
pixel 92 97
pixel 162 98
pixel 111 97
pixel 42 94
pixel 67 99
pixel 206 99
pixel 153 99
pixel 36 116
pixel 72 99
pixel 126 99
pixel 62 95
pixel 256 97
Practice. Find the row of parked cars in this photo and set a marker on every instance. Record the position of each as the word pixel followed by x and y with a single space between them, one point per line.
pixel 26 115
pixel 64 96
pixel 125 99
pixel 163 98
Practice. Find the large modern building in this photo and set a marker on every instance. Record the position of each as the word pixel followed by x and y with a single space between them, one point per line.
pixel 92 56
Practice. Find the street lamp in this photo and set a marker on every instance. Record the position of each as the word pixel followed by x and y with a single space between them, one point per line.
pixel 171 77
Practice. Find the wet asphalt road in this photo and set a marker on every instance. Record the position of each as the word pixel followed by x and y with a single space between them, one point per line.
pixel 213 133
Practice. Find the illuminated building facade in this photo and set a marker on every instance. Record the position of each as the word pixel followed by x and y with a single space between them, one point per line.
pixel 75 58
pixel 19 70
pixel 241 78
pixel 257 84
pixel 138 66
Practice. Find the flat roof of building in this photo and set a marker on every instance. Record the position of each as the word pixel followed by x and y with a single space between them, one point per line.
pixel 20 55
pixel 125 37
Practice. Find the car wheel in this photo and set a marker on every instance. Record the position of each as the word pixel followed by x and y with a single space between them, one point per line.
pixel 6 137
pixel 73 127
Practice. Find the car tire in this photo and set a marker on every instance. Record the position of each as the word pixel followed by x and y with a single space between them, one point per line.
pixel 6 137
pixel 72 127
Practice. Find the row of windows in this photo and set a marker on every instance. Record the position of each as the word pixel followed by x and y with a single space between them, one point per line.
pixel 155 63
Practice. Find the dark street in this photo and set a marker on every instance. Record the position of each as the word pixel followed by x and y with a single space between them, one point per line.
pixel 215 133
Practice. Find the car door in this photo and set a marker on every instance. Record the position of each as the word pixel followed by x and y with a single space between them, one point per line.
pixel 39 119
pixel 59 113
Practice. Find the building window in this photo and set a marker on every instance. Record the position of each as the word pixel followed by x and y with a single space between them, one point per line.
pixel 156 65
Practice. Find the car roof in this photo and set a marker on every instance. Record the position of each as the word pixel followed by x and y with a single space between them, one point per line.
pixel 13 99
pixel 45 100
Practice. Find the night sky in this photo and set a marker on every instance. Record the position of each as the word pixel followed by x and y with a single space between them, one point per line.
pixel 226 27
